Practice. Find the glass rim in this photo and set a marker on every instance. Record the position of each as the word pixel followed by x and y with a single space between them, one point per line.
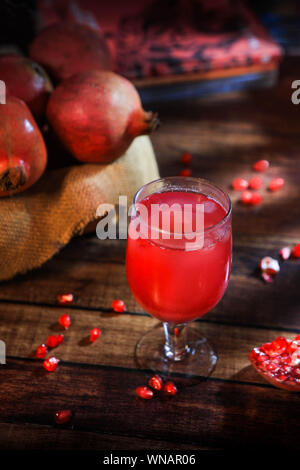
pixel 192 179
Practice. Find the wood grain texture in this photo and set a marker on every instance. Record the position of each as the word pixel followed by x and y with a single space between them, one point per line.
pixel 53 438
pixel 23 328
pixel 94 272
pixel 214 413
pixel 235 407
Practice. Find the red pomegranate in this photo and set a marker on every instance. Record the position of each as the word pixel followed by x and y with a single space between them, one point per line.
pixel 23 154
pixel 279 362
pixel 97 115
pixel 67 48
pixel 26 80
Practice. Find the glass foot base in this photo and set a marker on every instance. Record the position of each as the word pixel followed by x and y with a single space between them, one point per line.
pixel 199 359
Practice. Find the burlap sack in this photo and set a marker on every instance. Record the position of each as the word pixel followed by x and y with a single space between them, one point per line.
pixel 36 224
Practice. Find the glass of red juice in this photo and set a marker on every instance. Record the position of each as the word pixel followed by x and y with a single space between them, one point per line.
pixel 178 263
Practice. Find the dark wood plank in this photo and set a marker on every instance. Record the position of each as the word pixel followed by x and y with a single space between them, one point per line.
pixel 24 328
pixel 214 413
pixel 52 438
pixel 94 272
pixel 226 135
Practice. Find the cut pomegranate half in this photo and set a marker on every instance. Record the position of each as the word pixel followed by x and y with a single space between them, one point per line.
pixel 279 362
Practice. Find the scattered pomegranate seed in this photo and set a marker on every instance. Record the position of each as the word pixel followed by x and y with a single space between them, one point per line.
pixel 170 388
pixel 51 341
pixel 155 382
pixel 144 392
pixel 41 351
pixel 267 277
pixel 65 320
pixel 278 362
pixel 269 265
pixel 94 334
pixel 276 184
pixel 240 184
pixel 261 165
pixel 176 331
pixel 186 158
pixel 255 182
pixel 62 416
pixel 246 197
pixel 256 199
pixel 51 364
pixel 251 199
pixel 118 306
pixel 54 340
pixel 285 252
pixel 185 172
pixel 65 299
pixel 296 251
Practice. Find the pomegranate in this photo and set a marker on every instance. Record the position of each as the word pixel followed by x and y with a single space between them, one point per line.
pixel 67 48
pixel 23 154
pixel 97 114
pixel 279 362
pixel 26 80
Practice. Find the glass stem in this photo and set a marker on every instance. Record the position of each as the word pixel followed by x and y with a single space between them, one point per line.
pixel 176 347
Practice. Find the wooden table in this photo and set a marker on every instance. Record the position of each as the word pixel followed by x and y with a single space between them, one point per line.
pixel 234 407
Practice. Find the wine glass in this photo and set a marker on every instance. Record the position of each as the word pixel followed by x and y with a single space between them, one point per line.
pixel 178 263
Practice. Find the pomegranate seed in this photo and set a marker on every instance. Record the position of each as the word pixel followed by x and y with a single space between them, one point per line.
pixel 246 197
pixel 251 199
pixel 62 416
pixel 60 339
pixel 261 165
pixel 94 334
pixel 185 172
pixel 255 353
pixel 118 306
pixel 255 182
pixel 285 252
pixel 170 388
pixel 41 351
pixel 279 362
pixel 65 299
pixel 186 158
pixel 256 199
pixel 54 340
pixel 296 251
pixel 293 346
pixel 267 277
pixel 240 184
pixel 176 331
pixel 296 372
pixel 65 320
pixel 269 265
pixel 144 392
pixel 276 348
pixel 295 358
pixel 51 364
pixel 258 355
pixel 155 382
pixel 276 184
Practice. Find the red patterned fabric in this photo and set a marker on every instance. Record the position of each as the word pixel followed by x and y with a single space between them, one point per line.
pixel 152 38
